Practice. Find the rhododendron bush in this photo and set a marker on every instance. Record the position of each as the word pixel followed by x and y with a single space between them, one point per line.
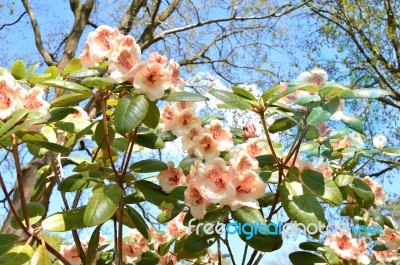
pixel 305 161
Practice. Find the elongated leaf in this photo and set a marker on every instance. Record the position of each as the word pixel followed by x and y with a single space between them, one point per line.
pixel 354 123
pixel 363 193
pixel 71 86
pixel 99 82
pixel 58 114
pixel 320 114
pixel 150 140
pixel 334 90
pixel 73 65
pixel 40 257
pixel 230 99
pixel 368 93
pixel 155 195
pixel 92 246
pixel 65 221
pixel 139 222
pixel 53 71
pixel 184 96
pixel 69 100
pixel 322 186
pixel 35 213
pixel 243 93
pixel 102 204
pixel 149 258
pixel 148 165
pixel 7 241
pixel 305 258
pixel 18 70
pixel 282 124
pixel 77 182
pixel 129 113
pixel 270 92
pixel 153 116
pixel 391 151
pixel 18 255
pixel 195 246
pixel 15 117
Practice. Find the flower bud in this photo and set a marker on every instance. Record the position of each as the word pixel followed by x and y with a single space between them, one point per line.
pixel 379 141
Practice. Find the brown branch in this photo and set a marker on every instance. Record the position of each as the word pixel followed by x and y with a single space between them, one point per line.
pixel 126 23
pixel 38 38
pixel 391 21
pixel 15 22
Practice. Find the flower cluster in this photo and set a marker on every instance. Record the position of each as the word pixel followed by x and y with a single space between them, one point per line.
pixel 13 97
pixel 234 182
pixel 71 254
pixel 380 194
pixel 391 239
pixel 348 248
pixel 151 77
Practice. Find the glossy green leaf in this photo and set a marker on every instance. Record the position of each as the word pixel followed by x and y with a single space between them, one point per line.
pixel 266 160
pixel 63 84
pixel 300 204
pixel 155 195
pixel 320 114
pixel 178 192
pixel 153 116
pixel 334 90
pixel 7 241
pixel 305 258
pixel 38 78
pixel 354 123
pixel 40 257
pixel 167 215
pixel 344 179
pixel 32 69
pixel 368 93
pixel 73 65
pixel 313 246
pixel 18 255
pixel 148 165
pixel 363 193
pixel 281 124
pixel 243 93
pixel 322 186
pixel 91 251
pixel 99 135
pixel 68 100
pixel 270 92
pixel 312 133
pixel 129 113
pixel 99 82
pixel 35 212
pixel 53 71
pixel 195 246
pixel 165 247
pixel 65 221
pixel 267 199
pixel 139 222
pixel 149 258
pixel 184 96
pixel 77 182
pixel 58 114
pixel 391 151
pixel 230 99
pixel 18 70
pixel 186 163
pixel 307 100
pixel 150 140
pixel 16 116
pixel 102 204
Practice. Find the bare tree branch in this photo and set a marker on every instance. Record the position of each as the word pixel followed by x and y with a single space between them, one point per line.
pixel 13 23
pixel 126 23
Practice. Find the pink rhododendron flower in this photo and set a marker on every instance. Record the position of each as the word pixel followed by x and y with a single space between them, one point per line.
pixel 196 202
pixel 125 59
pixel 35 102
pixel 205 147
pixel 221 135
pixel 385 256
pixel 168 259
pixel 323 129
pixel 250 130
pixel 317 77
pixel 255 147
pixel 213 180
pixel 81 114
pixel 152 80
pixel 188 142
pixel 380 194
pixel 176 226
pixel 156 57
pixel 131 252
pixel 171 177
pixel 70 253
pixel 184 120
pixel 249 187
pixel 391 238
pixel 347 248
pixel 242 161
pixel 318 165
pixel 12 95
pixel 98 46
pixel 177 83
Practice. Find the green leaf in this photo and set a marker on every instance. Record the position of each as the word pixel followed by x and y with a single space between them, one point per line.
pixel 187 163
pixel 313 246
pixel 92 246
pixel 129 113
pixel 18 70
pixel 52 147
pixel 300 204
pixel 267 199
pixel 77 182
pixel 40 257
pixel 307 100
pixel 344 180
pixel 305 258
pixel 167 215
pixel 73 65
pixel 32 69
pixel 243 93
pixel 65 221
pixel 102 204
pixel 58 114
pixel 149 165
pixel 231 99
pixel 312 133
pixel 7 241
pixel 18 255
pixel 322 186
pixel 334 90
pixel 139 222
pixel 35 212
pixel 368 93
pixel 178 192
pixel 363 193
pixel 71 86
pixel 266 160
pixel 100 136
pixel 153 116
pixel 282 124
pixel 164 248
pixel 150 140
pixel 38 78
pixel 85 73
pixel 354 123
pixel 391 151
pixel 53 71
pixel 99 82
pixel 320 114
pixel 68 100
pixel 195 246
pixel 149 258
pixel 184 96
pixel 16 116
pixel 270 92
pixel 155 195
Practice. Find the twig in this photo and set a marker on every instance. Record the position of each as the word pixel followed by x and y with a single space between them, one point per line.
pixel 15 22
